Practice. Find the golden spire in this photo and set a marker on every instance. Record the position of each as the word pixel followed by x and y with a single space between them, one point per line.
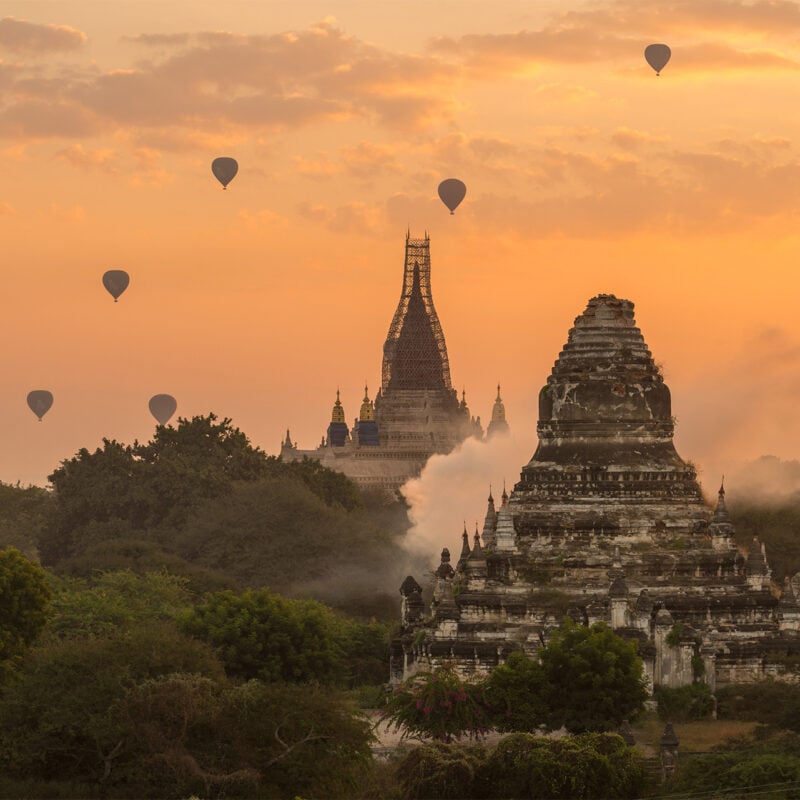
pixel 367 408
pixel 337 415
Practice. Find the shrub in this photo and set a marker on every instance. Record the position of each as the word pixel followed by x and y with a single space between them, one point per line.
pixel 694 701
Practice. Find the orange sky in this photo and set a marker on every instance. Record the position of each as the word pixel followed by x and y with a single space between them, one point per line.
pixel 585 172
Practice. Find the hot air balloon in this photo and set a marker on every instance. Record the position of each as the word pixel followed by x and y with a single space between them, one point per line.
pixel 116 282
pixel 224 170
pixel 162 407
pixel 39 401
pixel 452 192
pixel 657 56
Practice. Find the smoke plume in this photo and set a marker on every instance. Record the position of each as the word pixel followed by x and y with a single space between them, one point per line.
pixel 453 490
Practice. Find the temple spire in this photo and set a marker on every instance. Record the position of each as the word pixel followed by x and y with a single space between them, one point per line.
pixel 337 430
pixel 415 354
pixel 498 423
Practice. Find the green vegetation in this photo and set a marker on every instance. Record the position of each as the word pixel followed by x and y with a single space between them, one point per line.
pixel 200 501
pixel 594 678
pixel 694 701
pixel 777 525
pixel 439 705
pixel 585 766
pixel 768 768
pixel 24 598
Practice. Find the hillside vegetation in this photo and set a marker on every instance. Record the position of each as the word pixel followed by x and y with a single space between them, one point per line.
pixel 200 501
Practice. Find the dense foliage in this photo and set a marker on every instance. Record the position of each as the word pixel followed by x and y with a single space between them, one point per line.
pixel 776 524
pixel 439 705
pixel 769 768
pixel 24 597
pixel 594 678
pixel 587 766
pixel 441 771
pixel 518 694
pixel 200 501
pixel 693 701
pixel 262 635
pixel 769 702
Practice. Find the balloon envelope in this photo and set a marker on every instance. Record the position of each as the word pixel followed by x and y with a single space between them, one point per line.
pixel 39 401
pixel 162 407
pixel 116 282
pixel 452 192
pixel 224 170
pixel 657 56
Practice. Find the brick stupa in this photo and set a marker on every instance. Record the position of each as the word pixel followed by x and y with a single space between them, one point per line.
pixel 607 523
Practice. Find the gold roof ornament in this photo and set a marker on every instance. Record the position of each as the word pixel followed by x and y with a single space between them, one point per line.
pixel 337 415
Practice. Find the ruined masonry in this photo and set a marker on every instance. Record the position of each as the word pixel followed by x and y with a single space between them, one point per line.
pixel 416 412
pixel 606 524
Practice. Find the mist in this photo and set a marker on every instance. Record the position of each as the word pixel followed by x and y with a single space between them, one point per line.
pixel 453 489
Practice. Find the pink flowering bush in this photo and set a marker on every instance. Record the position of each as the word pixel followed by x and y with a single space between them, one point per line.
pixel 439 705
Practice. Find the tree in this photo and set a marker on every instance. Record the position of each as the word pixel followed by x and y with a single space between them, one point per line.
pixel 23 514
pixel 440 771
pixel 24 598
pixel 594 678
pixel 115 601
pixel 575 768
pixel 333 488
pixel 262 635
pixel 517 693
pixel 439 705
pixel 252 740
pixel 276 532
pixel 58 718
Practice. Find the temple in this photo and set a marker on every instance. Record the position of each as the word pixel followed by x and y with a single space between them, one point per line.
pixel 416 412
pixel 606 524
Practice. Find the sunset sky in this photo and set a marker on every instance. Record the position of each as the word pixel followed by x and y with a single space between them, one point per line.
pixel 585 173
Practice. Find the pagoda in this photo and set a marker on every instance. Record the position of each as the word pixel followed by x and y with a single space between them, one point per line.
pixel 608 524
pixel 416 412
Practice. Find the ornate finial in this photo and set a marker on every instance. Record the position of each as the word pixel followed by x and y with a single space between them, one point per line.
pixel 337 415
pixel 491 499
pixel 477 550
pixel 367 412
pixel 722 487
pixel 287 442
pixel 498 391
pixel 504 496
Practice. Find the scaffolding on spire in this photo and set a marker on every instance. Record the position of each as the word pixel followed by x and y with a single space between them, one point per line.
pixel 415 353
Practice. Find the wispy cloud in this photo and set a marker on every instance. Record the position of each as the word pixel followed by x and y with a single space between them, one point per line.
pixel 32 38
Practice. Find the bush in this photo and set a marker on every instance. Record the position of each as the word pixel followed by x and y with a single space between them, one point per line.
pixel 694 701
pixel 768 702
pixel 573 768
pixel 439 705
pixel 439 771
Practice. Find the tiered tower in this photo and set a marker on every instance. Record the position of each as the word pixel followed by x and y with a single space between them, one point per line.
pixel 607 524
pixel 416 412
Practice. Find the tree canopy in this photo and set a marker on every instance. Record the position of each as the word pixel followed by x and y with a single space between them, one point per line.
pixel 594 678
pixel 24 599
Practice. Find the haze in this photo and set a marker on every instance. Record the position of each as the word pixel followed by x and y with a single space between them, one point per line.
pixel 585 172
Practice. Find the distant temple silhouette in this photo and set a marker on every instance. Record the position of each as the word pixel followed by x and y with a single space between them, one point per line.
pixel 416 412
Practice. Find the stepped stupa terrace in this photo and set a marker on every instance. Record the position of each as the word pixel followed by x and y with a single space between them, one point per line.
pixel 607 523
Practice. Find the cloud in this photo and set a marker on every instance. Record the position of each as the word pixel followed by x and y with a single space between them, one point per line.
pixel 620 31
pixel 7 210
pixel 352 217
pixel 632 139
pixel 88 158
pixel 778 17
pixel 19 36
pixel 363 161
pixel 219 81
